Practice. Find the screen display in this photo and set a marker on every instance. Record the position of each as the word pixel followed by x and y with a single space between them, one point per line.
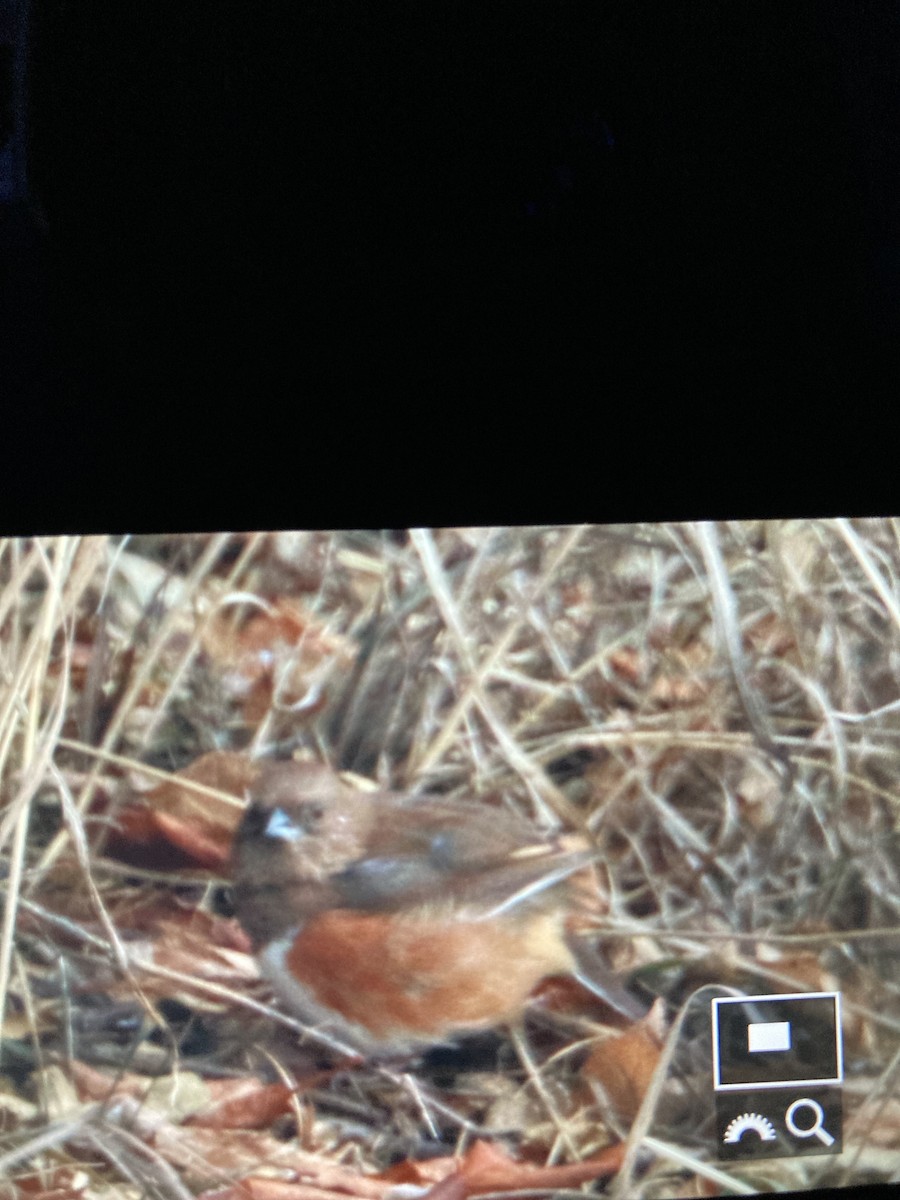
pixel 494 860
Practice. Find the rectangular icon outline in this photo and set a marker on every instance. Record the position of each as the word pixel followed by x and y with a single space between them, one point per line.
pixel 838 1078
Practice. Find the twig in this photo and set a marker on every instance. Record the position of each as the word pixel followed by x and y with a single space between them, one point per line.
pixel 725 616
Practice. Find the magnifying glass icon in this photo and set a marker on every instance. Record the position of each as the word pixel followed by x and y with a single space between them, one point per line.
pixel 814 1130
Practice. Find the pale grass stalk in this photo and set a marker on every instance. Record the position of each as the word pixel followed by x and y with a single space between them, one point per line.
pixel 66 584
pixel 858 549
pixel 31 670
pixel 20 567
pixel 16 860
pixel 725 615
pixel 164 631
pixel 138 682
pixel 411 1085
pixel 76 832
pixel 157 773
pixel 564 670
pixel 194 582
pixel 221 992
pixel 66 924
pixel 698 740
pixel 483 550
pixel 31 1016
pixel 679 829
pixel 623 1185
pixel 11 596
pixel 34 761
pixel 818 695
pixel 888 1085
pixel 301 1116
pixel 592 663
pixel 537 1082
pixel 443 741
pixel 683 1158
pixel 139 1162
pixel 781 567
pixel 53 1136
pixel 539 785
pixel 693 946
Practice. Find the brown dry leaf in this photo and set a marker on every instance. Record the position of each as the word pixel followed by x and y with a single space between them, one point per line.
pixel 628 664
pixel 487 1168
pixel 95 1085
pixel 59 1183
pixel 684 682
pixel 806 973
pixel 803 966
pixel 135 913
pixel 772 637
pixel 189 950
pixel 428 1171
pixel 454 1187
pixel 242 1104
pixel 624 1065
pixel 203 1157
pixel 223 1103
pixel 757 795
pixel 283 646
pixel 135 824
pixel 261 1188
pixel 197 823
pixel 877 1123
pixel 205 851
pixel 687 681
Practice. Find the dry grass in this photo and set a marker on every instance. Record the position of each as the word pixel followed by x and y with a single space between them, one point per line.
pixel 718 705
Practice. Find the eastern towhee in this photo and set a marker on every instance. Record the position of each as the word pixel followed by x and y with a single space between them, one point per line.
pixel 398 921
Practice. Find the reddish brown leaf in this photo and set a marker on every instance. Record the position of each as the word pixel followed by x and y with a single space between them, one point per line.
pixel 95 1085
pixel 624 1065
pixel 190 953
pixel 60 1183
pixel 256 1187
pixel 628 664
pixel 283 643
pixel 454 1187
pixel 243 1104
pixel 487 1168
pixel 198 824
pixel 204 850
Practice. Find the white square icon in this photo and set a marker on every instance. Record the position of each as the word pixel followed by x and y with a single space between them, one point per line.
pixel 768 1035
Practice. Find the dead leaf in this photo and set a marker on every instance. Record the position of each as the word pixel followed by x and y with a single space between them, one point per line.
pixel 624 1065
pixel 190 953
pixel 487 1168
pixel 282 648
pixel 58 1183
pixel 199 824
pixel 242 1104
pixel 454 1187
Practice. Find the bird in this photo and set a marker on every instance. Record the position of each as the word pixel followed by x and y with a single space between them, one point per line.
pixel 394 922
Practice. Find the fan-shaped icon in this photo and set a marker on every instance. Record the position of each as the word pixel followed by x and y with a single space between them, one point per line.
pixel 739 1126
